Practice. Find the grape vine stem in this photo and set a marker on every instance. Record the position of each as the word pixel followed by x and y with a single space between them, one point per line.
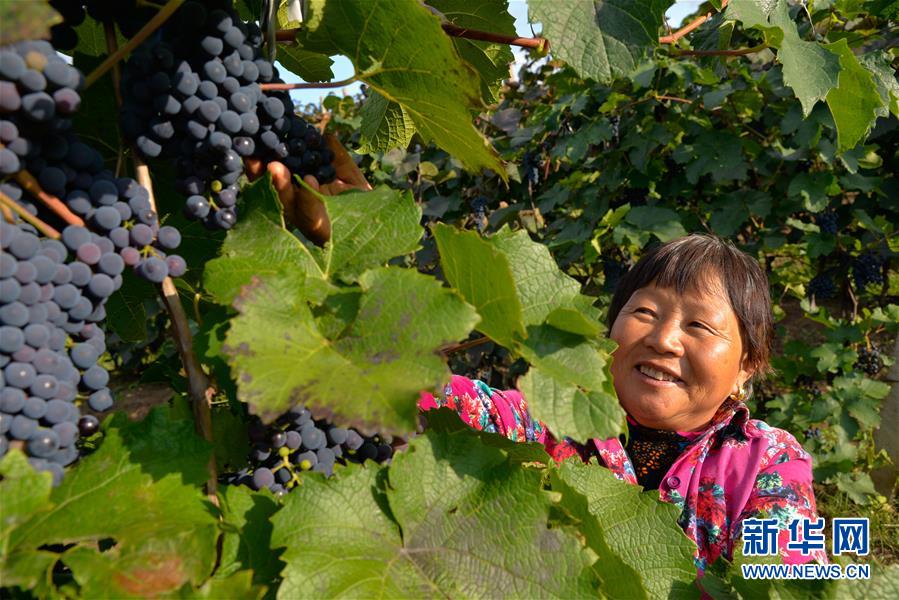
pixel 538 43
pixel 307 86
pixel 30 185
pixel 10 204
pixel 198 384
pixel 735 52
pixel 694 24
pixel 453 348
pixel 146 31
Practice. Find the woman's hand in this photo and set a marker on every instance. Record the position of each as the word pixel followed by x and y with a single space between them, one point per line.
pixel 302 208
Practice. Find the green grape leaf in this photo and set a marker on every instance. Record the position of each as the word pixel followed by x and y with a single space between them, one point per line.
pixel 259 246
pixel 490 60
pixel 663 223
pixel 446 420
pixel 92 42
pixel 280 358
pixel 249 10
pixel 126 313
pixel 24 493
pixel 368 229
pixel 26 21
pixel 570 411
pixel 566 356
pixel 600 39
pixel 283 16
pixel 878 63
pixel 429 80
pixel 246 542
pixel 855 102
pixel 808 67
pixel 385 125
pixel 240 586
pixel 574 320
pixel 814 189
pixel 311 66
pixel 540 285
pixel 456 518
pixel 483 275
pixel 637 527
pixel 158 464
pixel 618 579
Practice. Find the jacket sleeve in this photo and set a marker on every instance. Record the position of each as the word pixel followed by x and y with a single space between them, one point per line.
pixel 783 491
pixel 487 409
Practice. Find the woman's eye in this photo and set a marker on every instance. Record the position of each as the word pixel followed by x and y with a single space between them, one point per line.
pixel 643 310
pixel 702 325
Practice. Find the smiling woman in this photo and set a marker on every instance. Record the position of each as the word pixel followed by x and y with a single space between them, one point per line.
pixel 692 322
pixel 693 325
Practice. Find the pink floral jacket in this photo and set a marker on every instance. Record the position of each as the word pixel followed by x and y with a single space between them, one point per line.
pixel 738 468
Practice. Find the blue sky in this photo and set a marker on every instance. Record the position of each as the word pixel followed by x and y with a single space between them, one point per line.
pixel 517 8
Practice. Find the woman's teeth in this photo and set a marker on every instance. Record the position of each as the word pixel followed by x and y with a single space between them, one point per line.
pixel 657 375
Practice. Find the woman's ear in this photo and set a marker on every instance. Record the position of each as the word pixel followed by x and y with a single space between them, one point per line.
pixel 747 370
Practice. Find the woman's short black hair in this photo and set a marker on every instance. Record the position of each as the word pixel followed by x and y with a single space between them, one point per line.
pixel 689 263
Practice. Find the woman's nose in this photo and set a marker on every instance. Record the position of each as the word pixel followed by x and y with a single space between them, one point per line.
pixel 665 337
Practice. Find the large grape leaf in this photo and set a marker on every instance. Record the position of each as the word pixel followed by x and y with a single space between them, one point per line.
pixel 570 411
pixel 483 275
pixel 638 528
pixel 531 307
pixel 146 477
pixel 260 246
pixel 879 64
pixel 600 39
pixel 618 579
pixel 808 67
pixel 24 493
pixel 385 42
pixel 566 356
pixel 855 103
pixel 490 60
pixel 311 66
pixel 246 541
pixel 385 125
pixel 457 518
pixel 541 286
pixel 367 230
pixel 369 378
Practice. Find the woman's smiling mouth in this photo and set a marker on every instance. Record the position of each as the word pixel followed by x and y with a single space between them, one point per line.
pixel 656 377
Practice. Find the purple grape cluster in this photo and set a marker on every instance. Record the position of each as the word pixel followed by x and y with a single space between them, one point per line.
pixel 194 95
pixel 295 443
pixel 869 360
pixel 822 287
pixel 38 93
pixel 52 297
pixel 867 269
pixel 828 222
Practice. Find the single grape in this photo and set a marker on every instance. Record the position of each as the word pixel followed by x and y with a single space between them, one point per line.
pixel 263 478
pixel 88 425
pixel 43 443
pixel 153 269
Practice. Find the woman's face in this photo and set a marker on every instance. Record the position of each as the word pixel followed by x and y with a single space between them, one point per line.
pixel 679 356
